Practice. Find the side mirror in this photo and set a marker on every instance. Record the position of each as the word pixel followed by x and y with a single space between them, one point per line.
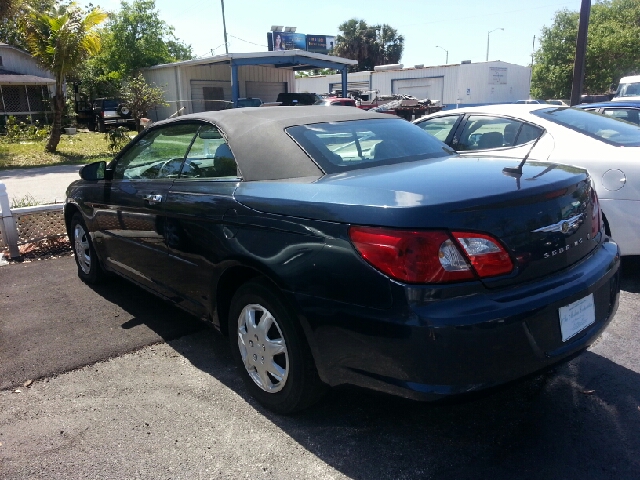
pixel 94 171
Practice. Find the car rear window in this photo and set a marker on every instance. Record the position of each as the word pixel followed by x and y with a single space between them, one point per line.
pixel 110 104
pixel 342 146
pixel 600 127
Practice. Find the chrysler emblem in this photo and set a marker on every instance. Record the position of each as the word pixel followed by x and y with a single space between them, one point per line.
pixel 564 226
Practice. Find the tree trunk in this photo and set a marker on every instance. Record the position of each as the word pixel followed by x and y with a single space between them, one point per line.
pixel 56 127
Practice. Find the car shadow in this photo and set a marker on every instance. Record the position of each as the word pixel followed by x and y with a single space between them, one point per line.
pixel 630 280
pixel 167 321
pixel 580 420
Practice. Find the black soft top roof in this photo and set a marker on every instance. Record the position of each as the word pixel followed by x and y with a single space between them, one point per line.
pixel 257 138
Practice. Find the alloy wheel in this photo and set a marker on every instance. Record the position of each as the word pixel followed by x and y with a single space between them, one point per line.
pixel 262 348
pixel 82 248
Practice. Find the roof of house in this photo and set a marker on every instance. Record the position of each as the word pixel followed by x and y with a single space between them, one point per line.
pixel 7 77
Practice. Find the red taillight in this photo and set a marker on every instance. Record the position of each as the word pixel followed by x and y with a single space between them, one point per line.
pixel 596 214
pixel 487 256
pixel 430 256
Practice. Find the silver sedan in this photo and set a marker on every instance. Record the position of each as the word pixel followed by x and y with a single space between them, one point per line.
pixel 608 148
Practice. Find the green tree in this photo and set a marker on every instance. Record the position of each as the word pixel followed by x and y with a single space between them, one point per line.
pixel 316 71
pixel 371 45
pixel 613 49
pixel 11 14
pixel 60 40
pixel 8 8
pixel 141 97
pixel 134 38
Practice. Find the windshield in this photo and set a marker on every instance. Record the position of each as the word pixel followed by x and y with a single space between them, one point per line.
pixel 356 144
pixel 603 128
pixel 628 90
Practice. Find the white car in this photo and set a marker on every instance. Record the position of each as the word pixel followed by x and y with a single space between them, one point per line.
pixel 608 148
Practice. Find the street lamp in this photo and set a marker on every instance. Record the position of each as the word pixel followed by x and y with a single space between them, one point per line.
pixel 447 51
pixel 488 33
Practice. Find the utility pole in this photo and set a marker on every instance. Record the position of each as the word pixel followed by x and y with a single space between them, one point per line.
pixel 581 51
pixel 489 33
pixel 224 25
pixel 533 50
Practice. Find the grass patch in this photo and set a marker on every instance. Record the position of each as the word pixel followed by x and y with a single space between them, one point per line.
pixel 27 201
pixel 82 148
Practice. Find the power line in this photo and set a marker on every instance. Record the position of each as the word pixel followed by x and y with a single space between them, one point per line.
pixel 247 41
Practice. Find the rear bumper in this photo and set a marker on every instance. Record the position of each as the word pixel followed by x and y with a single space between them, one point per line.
pixel 426 349
pixel 119 121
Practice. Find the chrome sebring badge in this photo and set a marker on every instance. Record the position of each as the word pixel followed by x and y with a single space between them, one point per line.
pixel 567 227
pixel 558 251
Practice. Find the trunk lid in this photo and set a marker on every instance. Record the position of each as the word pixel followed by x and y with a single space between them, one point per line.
pixel 544 217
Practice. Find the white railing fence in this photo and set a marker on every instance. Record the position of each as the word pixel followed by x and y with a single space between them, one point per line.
pixel 20 226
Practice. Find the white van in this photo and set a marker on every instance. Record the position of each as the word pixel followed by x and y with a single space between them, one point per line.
pixel 628 89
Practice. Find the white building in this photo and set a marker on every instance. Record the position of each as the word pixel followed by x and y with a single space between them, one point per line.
pixel 467 84
pixel 24 86
pixel 213 83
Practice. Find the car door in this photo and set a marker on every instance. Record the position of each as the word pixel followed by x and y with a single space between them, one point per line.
pixel 131 226
pixel 441 127
pixel 193 228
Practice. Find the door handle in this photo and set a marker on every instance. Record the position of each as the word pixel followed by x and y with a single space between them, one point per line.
pixel 153 199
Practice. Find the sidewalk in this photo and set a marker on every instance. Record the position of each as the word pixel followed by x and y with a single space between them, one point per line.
pixel 44 184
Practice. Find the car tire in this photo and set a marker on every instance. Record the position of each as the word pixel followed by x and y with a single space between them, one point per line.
pixel 89 268
pixel 289 381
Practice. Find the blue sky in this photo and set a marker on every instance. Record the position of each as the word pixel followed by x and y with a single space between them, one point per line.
pixel 459 26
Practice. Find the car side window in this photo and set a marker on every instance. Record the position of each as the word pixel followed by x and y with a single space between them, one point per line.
pixel 158 154
pixel 209 156
pixel 626 114
pixel 483 132
pixel 440 127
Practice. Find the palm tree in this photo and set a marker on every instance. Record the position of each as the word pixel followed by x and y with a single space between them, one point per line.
pixel 60 40
pixel 371 45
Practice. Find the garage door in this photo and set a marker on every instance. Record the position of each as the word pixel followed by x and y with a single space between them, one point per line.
pixel 209 95
pixel 265 91
pixel 421 88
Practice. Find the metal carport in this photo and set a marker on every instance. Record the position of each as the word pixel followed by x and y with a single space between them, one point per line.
pixel 227 75
pixel 295 60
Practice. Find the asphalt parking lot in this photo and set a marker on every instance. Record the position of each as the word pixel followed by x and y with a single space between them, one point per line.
pixel 125 386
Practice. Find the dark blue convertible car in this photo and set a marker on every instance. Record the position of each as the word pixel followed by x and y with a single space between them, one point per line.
pixel 335 246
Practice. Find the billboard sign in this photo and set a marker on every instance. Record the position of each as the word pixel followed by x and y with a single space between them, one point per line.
pixel 320 43
pixel 286 41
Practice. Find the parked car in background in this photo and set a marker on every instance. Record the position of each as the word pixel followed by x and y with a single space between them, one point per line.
pixel 344 102
pixel 335 246
pixel 628 89
pixel 111 112
pixel 609 149
pixel 303 98
pixel 628 110
pixel 249 102
pixel 530 101
pixel 554 101
pixel 594 98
